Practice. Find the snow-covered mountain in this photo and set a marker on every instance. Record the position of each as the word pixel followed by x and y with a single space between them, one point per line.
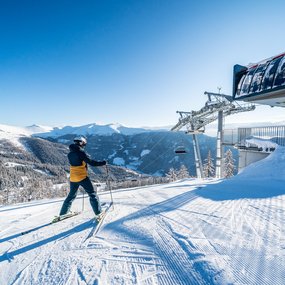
pixel 92 129
pixel 150 152
pixel 29 164
pixel 35 129
pixel 147 151
pixel 206 232
pixel 23 131
pixel 14 133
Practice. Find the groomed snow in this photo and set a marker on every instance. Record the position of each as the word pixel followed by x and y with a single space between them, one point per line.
pixel 188 232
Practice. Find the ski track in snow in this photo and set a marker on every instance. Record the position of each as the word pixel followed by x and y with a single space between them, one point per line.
pixel 163 234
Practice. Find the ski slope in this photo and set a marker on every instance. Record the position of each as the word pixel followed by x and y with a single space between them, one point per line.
pixel 188 232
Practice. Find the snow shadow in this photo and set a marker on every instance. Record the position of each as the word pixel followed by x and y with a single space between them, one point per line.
pixel 10 255
pixel 23 233
pixel 160 208
pixel 234 189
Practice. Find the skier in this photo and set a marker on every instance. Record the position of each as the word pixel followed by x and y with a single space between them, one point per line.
pixel 78 160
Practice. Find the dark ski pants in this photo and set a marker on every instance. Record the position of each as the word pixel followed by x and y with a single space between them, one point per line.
pixel 88 187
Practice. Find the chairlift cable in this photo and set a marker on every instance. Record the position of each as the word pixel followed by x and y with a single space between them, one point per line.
pixel 159 141
pixel 155 159
pixel 162 138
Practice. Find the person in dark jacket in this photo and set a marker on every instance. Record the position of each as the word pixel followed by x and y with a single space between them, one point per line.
pixel 78 160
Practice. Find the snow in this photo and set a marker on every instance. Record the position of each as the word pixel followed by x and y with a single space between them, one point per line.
pixel 13 130
pixel 14 134
pixel 188 232
pixel 24 131
pixel 265 144
pixel 92 129
pixel 35 129
pixel 42 172
pixel 118 161
pixel 145 152
pixel 12 164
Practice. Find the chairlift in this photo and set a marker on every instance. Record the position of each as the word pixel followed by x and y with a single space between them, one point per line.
pixel 180 150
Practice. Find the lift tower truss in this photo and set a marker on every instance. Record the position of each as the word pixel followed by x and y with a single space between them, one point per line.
pixel 216 107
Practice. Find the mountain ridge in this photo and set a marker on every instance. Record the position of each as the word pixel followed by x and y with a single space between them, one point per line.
pixel 89 129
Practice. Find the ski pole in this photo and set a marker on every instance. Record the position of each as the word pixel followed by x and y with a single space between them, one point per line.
pixel 83 202
pixel 109 185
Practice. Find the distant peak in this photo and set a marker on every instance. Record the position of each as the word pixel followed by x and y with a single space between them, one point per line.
pixel 90 129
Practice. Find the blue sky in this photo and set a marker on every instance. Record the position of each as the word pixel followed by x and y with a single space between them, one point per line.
pixel 128 61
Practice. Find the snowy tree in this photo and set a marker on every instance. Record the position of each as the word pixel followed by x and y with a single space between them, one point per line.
pixel 229 165
pixel 172 174
pixel 4 197
pixel 209 168
pixel 183 172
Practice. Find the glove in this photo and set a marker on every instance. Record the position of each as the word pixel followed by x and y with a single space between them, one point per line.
pixel 103 162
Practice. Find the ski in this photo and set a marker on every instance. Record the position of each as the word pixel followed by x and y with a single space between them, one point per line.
pixel 63 217
pixel 101 218
pixel 55 220
pixel 99 221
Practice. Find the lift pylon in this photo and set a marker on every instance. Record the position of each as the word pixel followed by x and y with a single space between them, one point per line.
pixel 216 107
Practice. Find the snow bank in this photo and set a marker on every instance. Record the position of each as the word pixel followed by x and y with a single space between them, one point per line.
pixel 262 179
pixel 272 166
pixel 264 144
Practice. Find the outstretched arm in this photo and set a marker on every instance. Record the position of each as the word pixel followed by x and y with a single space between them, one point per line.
pixel 90 161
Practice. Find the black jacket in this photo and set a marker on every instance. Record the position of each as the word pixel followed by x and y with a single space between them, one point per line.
pixel 78 160
pixel 77 155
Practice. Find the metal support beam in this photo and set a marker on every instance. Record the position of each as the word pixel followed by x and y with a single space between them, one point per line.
pixel 198 160
pixel 217 107
pixel 220 150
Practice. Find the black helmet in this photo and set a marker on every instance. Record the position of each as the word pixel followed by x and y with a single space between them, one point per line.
pixel 81 140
